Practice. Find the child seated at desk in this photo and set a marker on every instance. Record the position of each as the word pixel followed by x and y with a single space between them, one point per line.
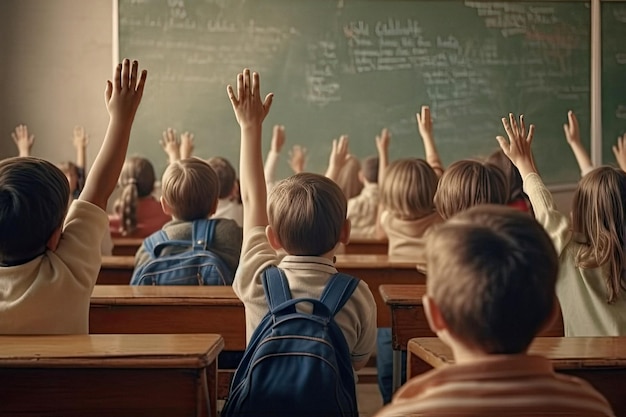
pixel 490 289
pixel 49 255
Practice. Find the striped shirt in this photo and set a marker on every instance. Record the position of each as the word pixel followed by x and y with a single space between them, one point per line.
pixel 500 385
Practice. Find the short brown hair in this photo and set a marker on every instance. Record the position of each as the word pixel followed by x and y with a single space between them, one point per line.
pixel 511 174
pixel 190 187
pixel 468 183
pixel 370 169
pixel 492 272
pixel 34 196
pixel 307 212
pixel 225 173
pixel 408 189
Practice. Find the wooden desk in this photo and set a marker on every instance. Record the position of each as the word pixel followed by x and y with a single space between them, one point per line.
pixel 408 320
pixel 360 246
pixel 378 270
pixel 599 360
pixel 126 246
pixel 106 375
pixel 116 270
pixel 373 269
pixel 124 309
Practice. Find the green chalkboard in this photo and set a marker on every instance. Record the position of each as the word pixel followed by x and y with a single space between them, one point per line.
pixel 613 76
pixel 356 66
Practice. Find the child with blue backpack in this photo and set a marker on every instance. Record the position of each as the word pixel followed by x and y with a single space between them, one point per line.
pixel 190 190
pixel 305 216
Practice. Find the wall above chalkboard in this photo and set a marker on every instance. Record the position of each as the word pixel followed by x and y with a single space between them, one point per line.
pixel 356 66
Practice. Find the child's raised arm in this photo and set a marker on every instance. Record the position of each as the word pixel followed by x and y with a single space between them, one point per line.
pixel 80 141
pixel 572 134
pixel 170 145
pixel 382 146
pixel 339 154
pixel 250 112
pixel 122 98
pixel 186 145
pixel 297 159
pixel 23 140
pixel 278 141
pixel 425 127
pixel 619 150
pixel 518 147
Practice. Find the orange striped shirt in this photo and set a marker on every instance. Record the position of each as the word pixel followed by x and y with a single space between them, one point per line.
pixel 500 385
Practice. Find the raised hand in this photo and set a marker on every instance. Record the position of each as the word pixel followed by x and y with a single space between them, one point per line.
pixel 123 95
pixel 247 105
pixel 572 132
pixel 278 138
pixel 619 150
pixel 186 145
pixel 170 144
pixel 382 141
pixel 518 146
pixel 297 158
pixel 425 123
pixel 23 140
pixel 80 138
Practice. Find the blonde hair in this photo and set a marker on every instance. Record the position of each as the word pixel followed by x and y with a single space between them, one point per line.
pixel 307 213
pixel 468 183
pixel 599 224
pixel 190 188
pixel 226 174
pixel 348 179
pixel 486 265
pixel 408 189
pixel 137 181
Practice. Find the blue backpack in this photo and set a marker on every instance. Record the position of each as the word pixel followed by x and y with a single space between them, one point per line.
pixel 196 265
pixel 297 364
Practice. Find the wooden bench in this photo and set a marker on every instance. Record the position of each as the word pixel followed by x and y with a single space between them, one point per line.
pixel 376 270
pixel 361 246
pixel 408 321
pixel 126 246
pixel 106 375
pixel 599 360
pixel 126 309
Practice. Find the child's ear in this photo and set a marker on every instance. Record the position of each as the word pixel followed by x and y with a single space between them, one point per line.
pixel 436 321
pixel 165 207
pixel 53 241
pixel 214 208
pixel 344 235
pixel 272 238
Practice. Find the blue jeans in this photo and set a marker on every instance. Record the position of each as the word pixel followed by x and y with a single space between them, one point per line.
pixel 384 364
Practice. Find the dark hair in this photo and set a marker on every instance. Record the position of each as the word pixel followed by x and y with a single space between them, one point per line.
pixel 370 169
pixel 137 181
pixel 34 196
pixel 511 174
pixel 492 272
pixel 225 173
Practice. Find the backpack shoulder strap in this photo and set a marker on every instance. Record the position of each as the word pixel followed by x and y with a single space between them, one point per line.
pixel 202 233
pixel 154 240
pixel 276 287
pixel 338 291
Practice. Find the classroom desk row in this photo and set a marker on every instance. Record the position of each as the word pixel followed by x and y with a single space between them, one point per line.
pixel 109 375
pixel 127 246
pixel 601 361
pixel 375 270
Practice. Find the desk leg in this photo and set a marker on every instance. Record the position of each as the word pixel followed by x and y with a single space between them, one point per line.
pixel 397 369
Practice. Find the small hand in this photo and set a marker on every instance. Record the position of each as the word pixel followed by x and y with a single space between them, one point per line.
pixel 572 132
pixel 123 95
pixel 80 139
pixel 297 158
pixel 278 138
pixel 518 147
pixel 619 150
pixel 382 141
pixel 186 145
pixel 339 153
pixel 249 110
pixel 170 145
pixel 425 123
pixel 23 140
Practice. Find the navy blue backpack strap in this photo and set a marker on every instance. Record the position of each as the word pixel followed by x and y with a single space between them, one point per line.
pixel 338 291
pixel 276 287
pixel 202 233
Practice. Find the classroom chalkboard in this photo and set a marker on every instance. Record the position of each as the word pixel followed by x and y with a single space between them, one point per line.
pixel 356 66
pixel 613 76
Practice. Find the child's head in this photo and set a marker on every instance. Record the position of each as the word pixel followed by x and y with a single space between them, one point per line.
pixel 599 223
pixel 190 188
pixel 71 173
pixel 307 214
pixel 511 174
pixel 468 183
pixel 33 202
pixel 369 170
pixel 348 179
pixel 226 174
pixel 408 189
pixel 137 181
pixel 491 276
